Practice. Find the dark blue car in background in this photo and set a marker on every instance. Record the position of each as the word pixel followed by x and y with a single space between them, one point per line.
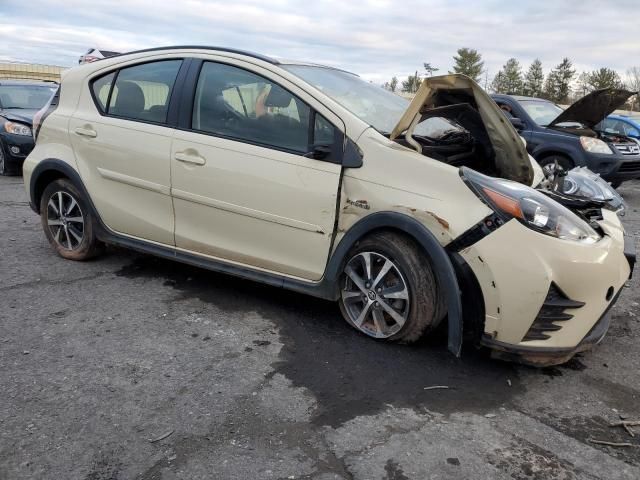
pixel 20 100
pixel 574 137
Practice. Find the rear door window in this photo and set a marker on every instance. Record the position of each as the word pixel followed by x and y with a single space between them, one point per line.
pixel 141 92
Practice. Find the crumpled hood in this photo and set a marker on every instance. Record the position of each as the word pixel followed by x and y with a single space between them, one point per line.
pixel 511 157
pixel 593 108
pixel 19 115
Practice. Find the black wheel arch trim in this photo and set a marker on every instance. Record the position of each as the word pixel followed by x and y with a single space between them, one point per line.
pixel 443 267
pixel 48 166
pixel 327 288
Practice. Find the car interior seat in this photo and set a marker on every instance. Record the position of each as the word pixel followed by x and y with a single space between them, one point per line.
pixel 130 101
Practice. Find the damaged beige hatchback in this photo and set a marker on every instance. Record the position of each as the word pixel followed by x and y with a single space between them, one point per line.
pixel 309 178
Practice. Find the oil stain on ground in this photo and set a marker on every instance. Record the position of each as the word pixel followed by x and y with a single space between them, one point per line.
pixel 349 374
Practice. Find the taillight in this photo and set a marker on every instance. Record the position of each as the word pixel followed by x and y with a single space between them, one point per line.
pixel 44 112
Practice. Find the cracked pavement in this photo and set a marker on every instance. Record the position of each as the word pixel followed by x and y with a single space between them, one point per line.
pixel 98 360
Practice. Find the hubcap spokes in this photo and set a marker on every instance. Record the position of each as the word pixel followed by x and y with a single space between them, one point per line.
pixel 65 220
pixel 375 295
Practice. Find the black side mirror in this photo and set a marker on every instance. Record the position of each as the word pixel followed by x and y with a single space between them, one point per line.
pixel 517 123
pixel 319 152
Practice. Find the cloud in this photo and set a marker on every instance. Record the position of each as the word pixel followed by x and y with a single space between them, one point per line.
pixel 375 38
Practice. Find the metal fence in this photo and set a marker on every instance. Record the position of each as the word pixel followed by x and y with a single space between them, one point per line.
pixel 30 71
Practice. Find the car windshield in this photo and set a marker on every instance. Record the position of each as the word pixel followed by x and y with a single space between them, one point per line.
pixel 378 107
pixel 541 111
pixel 25 97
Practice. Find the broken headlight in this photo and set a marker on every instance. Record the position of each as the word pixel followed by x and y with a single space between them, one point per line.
pixel 582 182
pixel 531 208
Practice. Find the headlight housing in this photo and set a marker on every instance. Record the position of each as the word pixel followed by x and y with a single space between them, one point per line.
pixel 17 128
pixel 595 145
pixel 582 182
pixel 531 208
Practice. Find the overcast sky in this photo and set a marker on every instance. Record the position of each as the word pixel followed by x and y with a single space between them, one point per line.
pixel 375 38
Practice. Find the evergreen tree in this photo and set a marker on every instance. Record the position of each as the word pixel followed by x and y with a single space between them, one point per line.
pixel 604 78
pixel 558 84
pixel 509 79
pixel 533 80
pixel 468 62
pixel 430 69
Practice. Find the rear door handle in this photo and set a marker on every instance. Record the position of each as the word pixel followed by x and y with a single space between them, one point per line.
pixel 190 158
pixel 86 132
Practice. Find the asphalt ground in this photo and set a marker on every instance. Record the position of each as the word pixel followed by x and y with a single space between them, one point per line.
pixel 132 367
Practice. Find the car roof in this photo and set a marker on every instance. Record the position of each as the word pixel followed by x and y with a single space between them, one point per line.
pixel 26 81
pixel 204 47
pixel 265 58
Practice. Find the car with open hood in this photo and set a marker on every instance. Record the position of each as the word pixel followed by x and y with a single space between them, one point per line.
pixel 574 137
pixel 306 177
pixel 20 100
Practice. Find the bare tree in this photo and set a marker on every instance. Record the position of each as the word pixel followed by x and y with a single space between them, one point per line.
pixel 632 82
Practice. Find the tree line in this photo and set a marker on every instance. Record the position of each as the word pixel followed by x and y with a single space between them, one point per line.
pixel 562 84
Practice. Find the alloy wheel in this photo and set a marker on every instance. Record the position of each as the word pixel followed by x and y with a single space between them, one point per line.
pixel 375 295
pixel 65 220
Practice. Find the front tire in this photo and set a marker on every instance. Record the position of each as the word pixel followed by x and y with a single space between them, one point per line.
pixel 4 168
pixel 389 290
pixel 548 164
pixel 68 222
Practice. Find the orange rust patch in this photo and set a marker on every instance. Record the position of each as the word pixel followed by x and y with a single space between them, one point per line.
pixel 441 221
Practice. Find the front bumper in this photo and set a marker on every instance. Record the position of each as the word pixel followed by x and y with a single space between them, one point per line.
pixel 516 268
pixel 15 148
pixel 549 356
pixel 616 167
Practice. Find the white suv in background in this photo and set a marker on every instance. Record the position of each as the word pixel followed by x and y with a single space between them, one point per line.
pixel 94 54
pixel 309 178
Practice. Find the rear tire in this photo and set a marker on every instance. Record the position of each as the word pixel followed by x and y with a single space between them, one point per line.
pixel 68 221
pixel 389 290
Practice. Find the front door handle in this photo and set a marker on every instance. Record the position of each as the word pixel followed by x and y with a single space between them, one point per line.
pixel 190 158
pixel 86 132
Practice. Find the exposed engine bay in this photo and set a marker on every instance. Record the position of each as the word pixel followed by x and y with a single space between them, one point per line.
pixel 455 122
